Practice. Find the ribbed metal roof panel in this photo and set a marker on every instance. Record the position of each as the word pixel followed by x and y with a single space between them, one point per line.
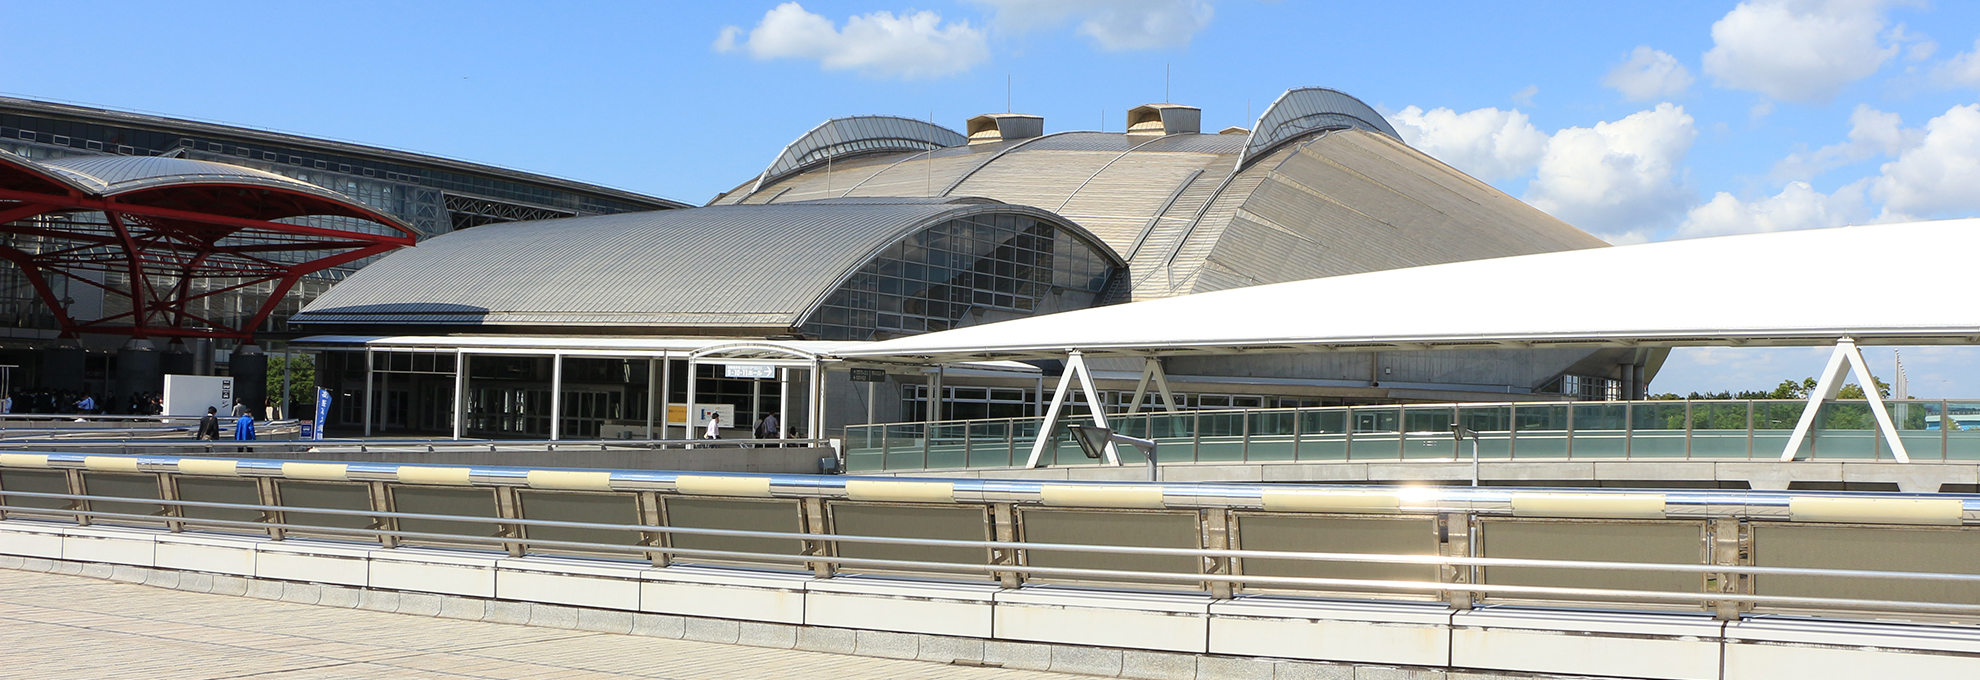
pixel 744 265
pixel 120 174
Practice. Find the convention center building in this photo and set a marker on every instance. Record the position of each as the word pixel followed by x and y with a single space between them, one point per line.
pixel 872 228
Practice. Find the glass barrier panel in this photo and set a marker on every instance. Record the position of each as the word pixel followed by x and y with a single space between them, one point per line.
pixel 1845 430
pixel 991 445
pixel 1718 430
pixel 1174 435
pixel 1657 429
pixel 1427 433
pixel 1375 433
pixel 948 445
pixel 863 447
pixel 904 442
pixel 1221 436
pixel 1773 425
pixel 1962 430
pixel 1271 436
pixel 1494 427
pixel 1916 423
pixel 1323 434
pixel 1540 431
pixel 1600 431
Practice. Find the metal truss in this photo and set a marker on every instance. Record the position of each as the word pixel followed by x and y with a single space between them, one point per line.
pixel 173 257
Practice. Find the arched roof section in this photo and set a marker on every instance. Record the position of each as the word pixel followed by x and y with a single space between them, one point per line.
pixel 211 188
pixel 1306 109
pixel 728 267
pixel 20 174
pixel 857 136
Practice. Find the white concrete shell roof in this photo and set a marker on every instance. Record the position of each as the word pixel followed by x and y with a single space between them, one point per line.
pixel 1881 284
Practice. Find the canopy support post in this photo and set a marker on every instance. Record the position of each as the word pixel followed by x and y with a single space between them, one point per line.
pixel 1846 359
pixel 1152 368
pixel 556 396
pixel 1075 366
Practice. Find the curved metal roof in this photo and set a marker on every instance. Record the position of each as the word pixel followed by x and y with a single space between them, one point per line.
pixel 760 266
pixel 1467 304
pixel 1303 110
pixel 153 180
pixel 858 136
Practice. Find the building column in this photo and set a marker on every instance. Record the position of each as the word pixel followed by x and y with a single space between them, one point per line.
pixel 652 392
pixel 370 394
pixel 250 370
pixel 460 392
pixel 177 359
pixel 556 396
pixel 783 402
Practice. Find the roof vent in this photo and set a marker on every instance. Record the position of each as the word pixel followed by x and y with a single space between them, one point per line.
pixel 1164 119
pixel 1003 127
pixel 1234 130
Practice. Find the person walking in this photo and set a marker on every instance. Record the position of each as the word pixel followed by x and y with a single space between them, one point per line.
pixel 714 430
pixel 209 425
pixel 767 428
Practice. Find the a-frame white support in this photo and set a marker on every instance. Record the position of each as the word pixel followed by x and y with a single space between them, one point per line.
pixel 1846 359
pixel 1075 366
pixel 1152 368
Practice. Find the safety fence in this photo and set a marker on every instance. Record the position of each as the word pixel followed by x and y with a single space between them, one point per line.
pixel 1730 553
pixel 1613 430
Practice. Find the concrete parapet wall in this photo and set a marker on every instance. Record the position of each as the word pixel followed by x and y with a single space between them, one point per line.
pixel 1108 632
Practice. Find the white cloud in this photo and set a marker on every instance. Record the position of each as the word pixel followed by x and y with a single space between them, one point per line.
pixel 1649 74
pixel 1936 177
pixel 1799 50
pixel 1486 143
pixel 1112 24
pixel 1872 134
pixel 1798 206
pixel 915 45
pixel 1617 177
pixel 1524 97
pixel 1962 70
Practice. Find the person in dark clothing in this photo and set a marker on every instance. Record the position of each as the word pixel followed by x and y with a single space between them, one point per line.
pixel 209 425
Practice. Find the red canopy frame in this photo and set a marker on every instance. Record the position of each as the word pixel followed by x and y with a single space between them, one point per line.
pixel 166 238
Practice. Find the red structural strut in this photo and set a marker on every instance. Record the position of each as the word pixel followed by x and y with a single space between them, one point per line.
pixel 211 239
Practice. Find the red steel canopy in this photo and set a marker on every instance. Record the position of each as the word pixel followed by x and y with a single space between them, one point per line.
pixel 170 222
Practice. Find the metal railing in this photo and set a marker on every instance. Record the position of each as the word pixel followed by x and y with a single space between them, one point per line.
pixel 1732 553
pixel 1633 430
pixel 379 445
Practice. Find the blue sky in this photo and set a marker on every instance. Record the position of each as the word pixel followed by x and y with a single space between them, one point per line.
pixel 1635 121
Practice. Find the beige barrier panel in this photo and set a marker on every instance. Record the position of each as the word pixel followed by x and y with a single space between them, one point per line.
pixel 110 464
pixel 1589 505
pixel 1331 501
pixel 705 485
pixel 570 480
pixel 427 474
pixel 1102 496
pixel 214 467
pixel 905 492
pixel 1877 510
pixel 326 472
pixel 26 460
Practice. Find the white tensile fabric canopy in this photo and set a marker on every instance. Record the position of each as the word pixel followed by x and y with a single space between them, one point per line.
pixel 1879 284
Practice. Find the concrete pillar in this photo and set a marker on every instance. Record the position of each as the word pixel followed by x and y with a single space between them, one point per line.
pixel 138 372
pixel 202 355
pixel 177 359
pixel 62 368
pixel 250 370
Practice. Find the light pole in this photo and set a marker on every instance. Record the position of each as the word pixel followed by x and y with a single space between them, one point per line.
pixel 1460 432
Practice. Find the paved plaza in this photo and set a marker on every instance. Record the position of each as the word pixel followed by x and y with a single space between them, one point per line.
pixel 58 626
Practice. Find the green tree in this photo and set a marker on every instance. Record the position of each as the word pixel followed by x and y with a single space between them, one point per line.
pixel 302 377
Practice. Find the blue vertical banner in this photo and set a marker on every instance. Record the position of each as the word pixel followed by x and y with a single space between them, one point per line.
pixel 322 413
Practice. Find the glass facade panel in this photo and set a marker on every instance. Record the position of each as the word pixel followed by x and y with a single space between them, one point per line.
pixel 950 274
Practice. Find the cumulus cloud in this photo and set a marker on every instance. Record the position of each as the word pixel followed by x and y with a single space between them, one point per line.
pixel 1872 134
pixel 1962 70
pixel 1649 74
pixel 1798 206
pixel 1486 143
pixel 1618 178
pixel 1935 177
pixel 1799 50
pixel 1112 24
pixel 910 46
